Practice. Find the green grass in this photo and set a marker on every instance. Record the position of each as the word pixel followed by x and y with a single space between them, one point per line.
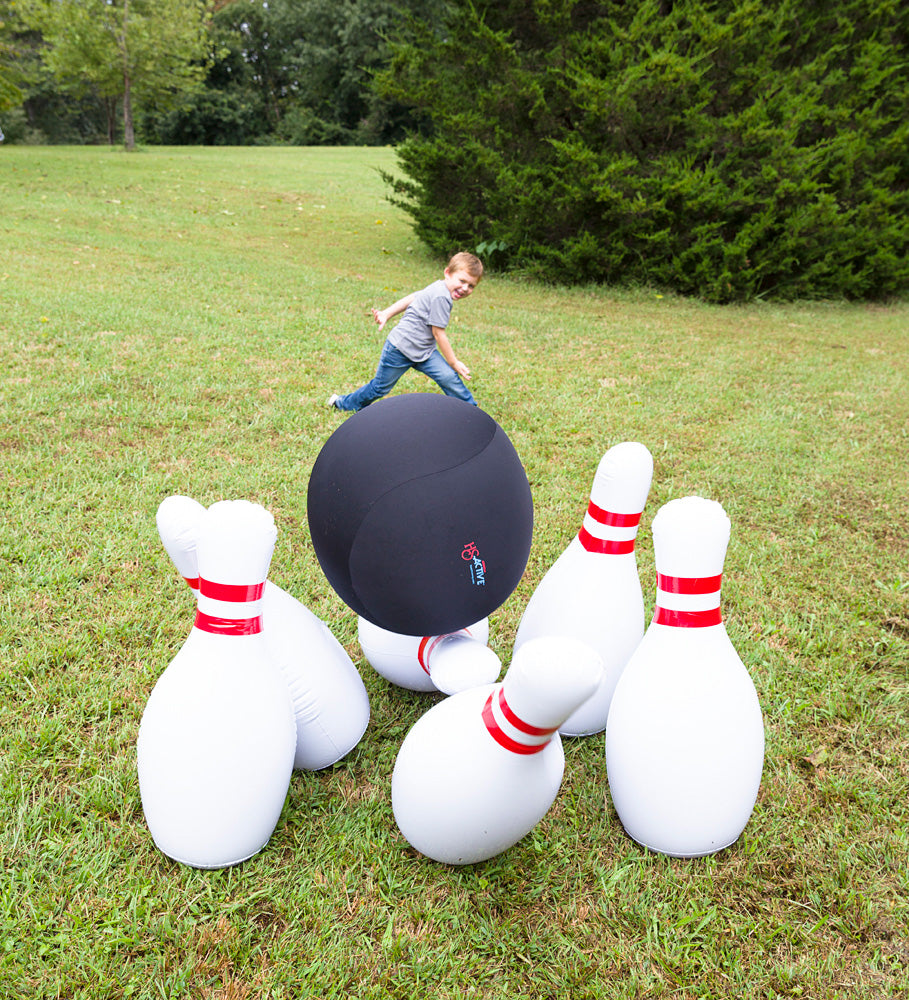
pixel 172 321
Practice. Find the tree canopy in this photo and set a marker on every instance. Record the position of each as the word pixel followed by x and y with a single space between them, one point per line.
pixel 221 72
pixel 10 79
pixel 296 71
pixel 150 48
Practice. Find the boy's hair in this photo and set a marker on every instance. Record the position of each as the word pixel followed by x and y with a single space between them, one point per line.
pixel 468 262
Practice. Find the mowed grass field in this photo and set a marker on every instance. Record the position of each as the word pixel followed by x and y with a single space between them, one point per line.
pixel 172 322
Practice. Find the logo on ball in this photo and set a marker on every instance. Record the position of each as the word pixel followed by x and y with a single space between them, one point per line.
pixel 471 554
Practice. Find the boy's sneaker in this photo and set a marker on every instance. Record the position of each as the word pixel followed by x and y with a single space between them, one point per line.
pixel 332 400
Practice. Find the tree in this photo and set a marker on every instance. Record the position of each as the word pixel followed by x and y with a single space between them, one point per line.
pixel 724 148
pixel 10 93
pixel 310 64
pixel 130 50
pixel 37 109
pixel 291 71
pixel 228 108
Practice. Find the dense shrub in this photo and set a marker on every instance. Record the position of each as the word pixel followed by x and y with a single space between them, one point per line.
pixel 207 117
pixel 729 149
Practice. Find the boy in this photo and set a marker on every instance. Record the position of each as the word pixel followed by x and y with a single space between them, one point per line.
pixel 419 340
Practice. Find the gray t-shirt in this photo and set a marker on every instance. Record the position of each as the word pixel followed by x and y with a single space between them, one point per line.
pixel 413 334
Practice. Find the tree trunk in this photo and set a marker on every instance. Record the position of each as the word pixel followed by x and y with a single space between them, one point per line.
pixel 110 106
pixel 129 135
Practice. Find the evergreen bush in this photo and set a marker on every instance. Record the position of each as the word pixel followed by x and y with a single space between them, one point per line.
pixel 731 149
pixel 207 117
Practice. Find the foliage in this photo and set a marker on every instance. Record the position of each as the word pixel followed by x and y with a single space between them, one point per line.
pixel 147 48
pixel 732 149
pixel 10 94
pixel 11 77
pixel 42 111
pixel 206 117
pixel 296 72
pixel 172 323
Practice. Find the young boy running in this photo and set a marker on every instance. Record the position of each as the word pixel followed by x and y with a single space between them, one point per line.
pixel 419 340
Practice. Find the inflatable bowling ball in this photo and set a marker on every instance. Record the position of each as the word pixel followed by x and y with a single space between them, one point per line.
pixel 420 514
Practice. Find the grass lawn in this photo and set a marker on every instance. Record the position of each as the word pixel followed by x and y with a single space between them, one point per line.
pixel 171 322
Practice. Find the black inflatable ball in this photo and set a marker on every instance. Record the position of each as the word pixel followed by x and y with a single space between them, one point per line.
pixel 420 514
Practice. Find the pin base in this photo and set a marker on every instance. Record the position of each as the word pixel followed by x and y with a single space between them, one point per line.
pixel 683 854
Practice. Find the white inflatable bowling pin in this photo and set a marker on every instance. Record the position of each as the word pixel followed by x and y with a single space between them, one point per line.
pixel 480 769
pixel 217 738
pixel 685 739
pixel 447 663
pixel 331 707
pixel 592 592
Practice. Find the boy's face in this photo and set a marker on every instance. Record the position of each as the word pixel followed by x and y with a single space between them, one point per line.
pixel 460 283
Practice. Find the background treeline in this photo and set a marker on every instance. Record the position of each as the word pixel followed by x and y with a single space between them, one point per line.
pixel 231 72
pixel 730 149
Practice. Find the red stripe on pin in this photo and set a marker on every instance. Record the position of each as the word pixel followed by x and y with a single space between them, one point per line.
pixel 605 546
pixel 502 738
pixel 518 722
pixel 689 584
pixel 611 518
pixel 422 655
pixel 687 619
pixel 228 626
pixel 193 582
pixel 236 592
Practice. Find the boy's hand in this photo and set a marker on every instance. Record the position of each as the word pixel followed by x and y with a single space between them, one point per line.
pixel 462 370
pixel 380 316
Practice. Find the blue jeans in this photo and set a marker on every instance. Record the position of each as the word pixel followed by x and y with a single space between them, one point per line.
pixel 392 365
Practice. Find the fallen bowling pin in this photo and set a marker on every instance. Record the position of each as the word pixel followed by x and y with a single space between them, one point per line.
pixel 592 591
pixel 331 706
pixel 685 739
pixel 217 738
pixel 480 769
pixel 447 663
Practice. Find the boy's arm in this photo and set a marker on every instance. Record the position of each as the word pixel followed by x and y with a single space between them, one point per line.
pixel 444 345
pixel 382 316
